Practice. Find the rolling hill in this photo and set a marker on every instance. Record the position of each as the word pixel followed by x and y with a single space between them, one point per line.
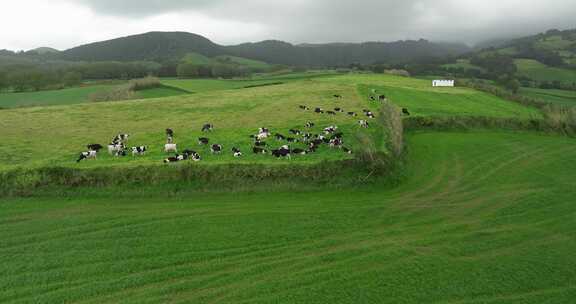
pixel 166 46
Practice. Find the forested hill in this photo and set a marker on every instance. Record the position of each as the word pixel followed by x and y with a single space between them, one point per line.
pixel 167 46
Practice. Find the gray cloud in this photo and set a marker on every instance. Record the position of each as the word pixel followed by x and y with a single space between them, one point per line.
pixel 362 20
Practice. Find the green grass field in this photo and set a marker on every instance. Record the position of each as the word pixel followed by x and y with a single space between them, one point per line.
pixel 45 98
pixel 481 218
pixel 538 71
pixel 484 216
pixel 554 96
pixel 62 132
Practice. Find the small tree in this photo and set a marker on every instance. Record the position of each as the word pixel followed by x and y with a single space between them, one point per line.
pixel 187 70
pixel 71 79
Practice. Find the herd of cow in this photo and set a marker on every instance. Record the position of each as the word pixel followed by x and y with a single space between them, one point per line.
pixel 330 136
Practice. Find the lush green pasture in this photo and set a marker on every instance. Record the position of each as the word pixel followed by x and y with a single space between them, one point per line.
pixel 45 98
pixel 163 91
pixel 542 72
pixel 420 98
pixel 554 96
pixel 480 218
pixel 62 132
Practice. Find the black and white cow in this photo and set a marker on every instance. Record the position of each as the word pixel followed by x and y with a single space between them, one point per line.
pixel 216 149
pixel 337 135
pixel 260 143
pixel 330 129
pixel 353 114
pixel 382 98
pixel 190 154
pixel 310 125
pixel 336 143
pixel 372 98
pixel 291 140
pixel 284 151
pixel 169 136
pixel 339 110
pixel 319 110
pixel 370 115
pixel 305 108
pixel 203 141
pixel 280 137
pixel 346 150
pixel 115 148
pixel 306 137
pixel 337 96
pixel 139 150
pixel 87 155
pixel 364 123
pixel 236 152
pixel 405 112
pixel 94 147
pixel 331 113
pixel 208 127
pixel 120 138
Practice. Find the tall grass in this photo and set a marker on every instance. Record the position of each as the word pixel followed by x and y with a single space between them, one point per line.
pixel 126 91
pixel 391 118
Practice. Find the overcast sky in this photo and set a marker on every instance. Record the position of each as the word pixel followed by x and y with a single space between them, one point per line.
pixel 62 24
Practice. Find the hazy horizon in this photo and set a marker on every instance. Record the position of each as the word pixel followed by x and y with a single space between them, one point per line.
pixel 228 22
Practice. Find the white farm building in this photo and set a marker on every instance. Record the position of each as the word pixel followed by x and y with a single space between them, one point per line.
pixel 443 83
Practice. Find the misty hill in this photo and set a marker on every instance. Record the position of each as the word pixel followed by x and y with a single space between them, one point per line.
pixel 169 46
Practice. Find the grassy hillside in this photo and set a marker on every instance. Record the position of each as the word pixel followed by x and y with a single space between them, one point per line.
pixel 481 218
pixel 553 96
pixel 538 71
pixel 62 132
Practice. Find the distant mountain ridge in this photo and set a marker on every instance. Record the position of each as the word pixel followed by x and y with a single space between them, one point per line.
pixel 170 46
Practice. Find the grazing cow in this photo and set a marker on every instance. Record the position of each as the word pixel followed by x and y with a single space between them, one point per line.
pixel 330 130
pixel 318 141
pixel 237 153
pixel 280 137
pixel 346 150
pixel 295 132
pixel 216 149
pixel 291 140
pixel 87 155
pixel 139 150
pixel 282 152
pixel 319 110
pixel 331 113
pixel 312 147
pixel 258 150
pixel 299 151
pixel 114 148
pixel 339 110
pixel 305 108
pixel 208 128
pixel 382 98
pixel 353 114
pixel 365 110
pixel 405 112
pixel 203 141
pixel 121 153
pixel 94 147
pixel 170 148
pixel 260 143
pixel 337 96
pixel 190 154
pixel 263 130
pixel 310 125
pixel 306 137
pixel 370 115
pixel 120 138
pixel 372 98
pixel 174 159
pixel 336 142
pixel 169 136
pixel 364 124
